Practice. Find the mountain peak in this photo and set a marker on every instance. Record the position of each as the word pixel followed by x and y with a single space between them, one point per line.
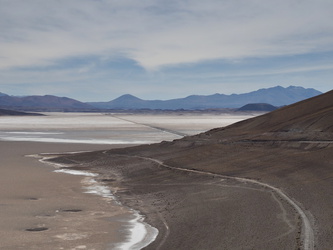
pixel 127 97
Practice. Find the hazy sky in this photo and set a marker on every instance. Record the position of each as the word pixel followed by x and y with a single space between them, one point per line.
pixel 97 50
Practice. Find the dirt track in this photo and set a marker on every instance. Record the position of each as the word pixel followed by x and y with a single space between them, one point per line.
pixel 307 230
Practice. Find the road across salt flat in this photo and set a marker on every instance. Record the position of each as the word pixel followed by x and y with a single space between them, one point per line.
pixel 182 124
pixel 153 127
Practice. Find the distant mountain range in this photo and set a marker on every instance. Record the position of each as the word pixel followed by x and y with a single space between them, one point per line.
pixel 276 96
pixel 42 103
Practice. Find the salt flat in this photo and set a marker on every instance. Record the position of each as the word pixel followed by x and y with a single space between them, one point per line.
pixel 96 128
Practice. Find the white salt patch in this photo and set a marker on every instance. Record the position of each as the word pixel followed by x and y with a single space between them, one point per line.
pixel 75 172
pixel 36 133
pixel 62 140
pixel 93 187
pixel 60 153
pixel 141 235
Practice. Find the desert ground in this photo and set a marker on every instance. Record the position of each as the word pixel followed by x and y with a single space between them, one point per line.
pixel 41 209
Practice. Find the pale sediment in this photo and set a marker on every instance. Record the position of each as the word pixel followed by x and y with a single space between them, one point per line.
pixel 138 234
pixel 45 210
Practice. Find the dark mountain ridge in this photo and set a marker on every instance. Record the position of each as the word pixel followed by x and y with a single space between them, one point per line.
pixel 277 96
pixel 257 107
pixel 46 102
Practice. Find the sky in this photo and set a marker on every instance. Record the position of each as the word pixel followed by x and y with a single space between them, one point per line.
pixel 97 50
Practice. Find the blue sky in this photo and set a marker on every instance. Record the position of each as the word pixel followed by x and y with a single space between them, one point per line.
pixel 97 50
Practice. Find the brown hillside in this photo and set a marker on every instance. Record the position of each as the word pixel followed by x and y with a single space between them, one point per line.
pixel 312 116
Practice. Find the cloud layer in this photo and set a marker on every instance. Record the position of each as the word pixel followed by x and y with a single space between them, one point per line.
pixel 161 33
pixel 133 42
